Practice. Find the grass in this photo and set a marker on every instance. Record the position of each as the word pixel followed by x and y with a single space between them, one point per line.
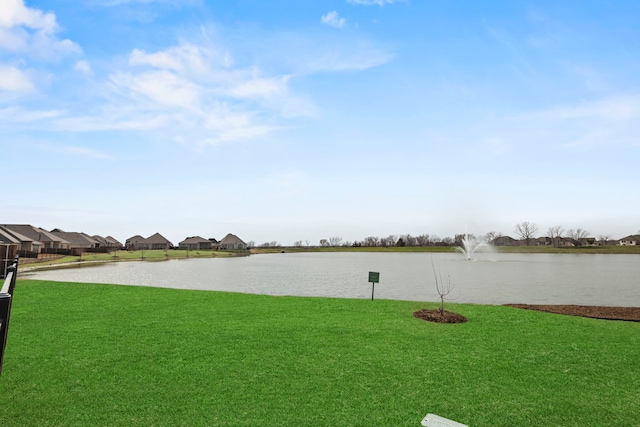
pixel 86 354
pixel 499 249
pixel 148 255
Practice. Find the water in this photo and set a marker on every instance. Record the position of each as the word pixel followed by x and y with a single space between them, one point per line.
pixel 586 279
pixel 470 245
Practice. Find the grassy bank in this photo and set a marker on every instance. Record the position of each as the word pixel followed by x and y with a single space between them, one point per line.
pixel 81 354
pixel 498 249
pixel 148 255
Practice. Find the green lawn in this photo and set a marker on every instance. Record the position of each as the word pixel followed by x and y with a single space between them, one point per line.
pixel 83 354
pixel 498 249
pixel 147 255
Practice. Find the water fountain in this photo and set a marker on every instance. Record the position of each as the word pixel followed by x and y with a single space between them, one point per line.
pixel 470 245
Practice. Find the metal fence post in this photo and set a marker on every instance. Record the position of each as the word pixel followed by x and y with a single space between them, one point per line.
pixel 6 298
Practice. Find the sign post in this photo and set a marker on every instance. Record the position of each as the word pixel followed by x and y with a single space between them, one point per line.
pixel 374 277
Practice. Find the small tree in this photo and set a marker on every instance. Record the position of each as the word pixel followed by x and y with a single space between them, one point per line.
pixel 578 233
pixel 491 236
pixel 443 288
pixel 335 241
pixel 526 230
pixel 555 233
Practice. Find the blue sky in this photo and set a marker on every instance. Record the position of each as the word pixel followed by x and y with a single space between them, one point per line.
pixel 290 120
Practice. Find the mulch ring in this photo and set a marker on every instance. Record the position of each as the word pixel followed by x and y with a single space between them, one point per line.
pixel 438 317
pixel 631 314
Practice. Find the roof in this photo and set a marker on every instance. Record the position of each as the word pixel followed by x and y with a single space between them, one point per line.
pixel 76 238
pixel 112 240
pixel 635 237
pixel 12 237
pixel 34 234
pixel 157 238
pixel 195 239
pixel 231 239
pixel 136 238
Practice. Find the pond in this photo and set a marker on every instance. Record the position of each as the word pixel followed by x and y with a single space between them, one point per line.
pixel 585 279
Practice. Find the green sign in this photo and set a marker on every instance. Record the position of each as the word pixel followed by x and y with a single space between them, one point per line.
pixel 374 277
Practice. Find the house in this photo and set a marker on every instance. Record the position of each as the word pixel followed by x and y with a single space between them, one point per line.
pixel 77 240
pixel 8 252
pixel 231 242
pixel 541 241
pixel 153 242
pixel 22 242
pixel 504 241
pixel 633 240
pixel 195 243
pixel 567 242
pixel 131 244
pixel 107 242
pixel 39 237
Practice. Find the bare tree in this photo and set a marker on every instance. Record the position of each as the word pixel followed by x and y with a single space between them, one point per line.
pixel 578 233
pixel 409 240
pixel 526 230
pixel 603 239
pixel 389 240
pixel 335 241
pixel 307 243
pixel 491 236
pixel 422 240
pixel 555 233
pixel 298 243
pixel 443 288
pixel 324 242
pixel 251 244
pixel 370 241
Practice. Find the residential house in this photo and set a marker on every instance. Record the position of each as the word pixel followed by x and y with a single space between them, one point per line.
pixel 231 242
pixel 41 238
pixel 633 240
pixel 540 241
pixel 567 242
pixel 107 242
pixel 23 243
pixel 77 240
pixel 195 243
pixel 131 244
pixel 153 242
pixel 504 241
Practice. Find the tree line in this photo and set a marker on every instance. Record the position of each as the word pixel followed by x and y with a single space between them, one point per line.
pixel 525 231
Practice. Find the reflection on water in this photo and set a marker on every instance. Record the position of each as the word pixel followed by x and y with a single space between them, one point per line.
pixel 587 279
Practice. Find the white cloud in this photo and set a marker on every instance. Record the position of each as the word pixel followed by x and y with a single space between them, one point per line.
pixel 14 80
pixel 333 19
pixel 83 67
pixel 260 87
pixel 604 122
pixel 610 109
pixel 372 2
pixel 31 31
pixel 127 2
pixel 85 152
pixel 160 88
pixel 189 93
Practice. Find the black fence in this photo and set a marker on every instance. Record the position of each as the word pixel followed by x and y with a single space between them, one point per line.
pixel 78 251
pixel 27 254
pixel 6 297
